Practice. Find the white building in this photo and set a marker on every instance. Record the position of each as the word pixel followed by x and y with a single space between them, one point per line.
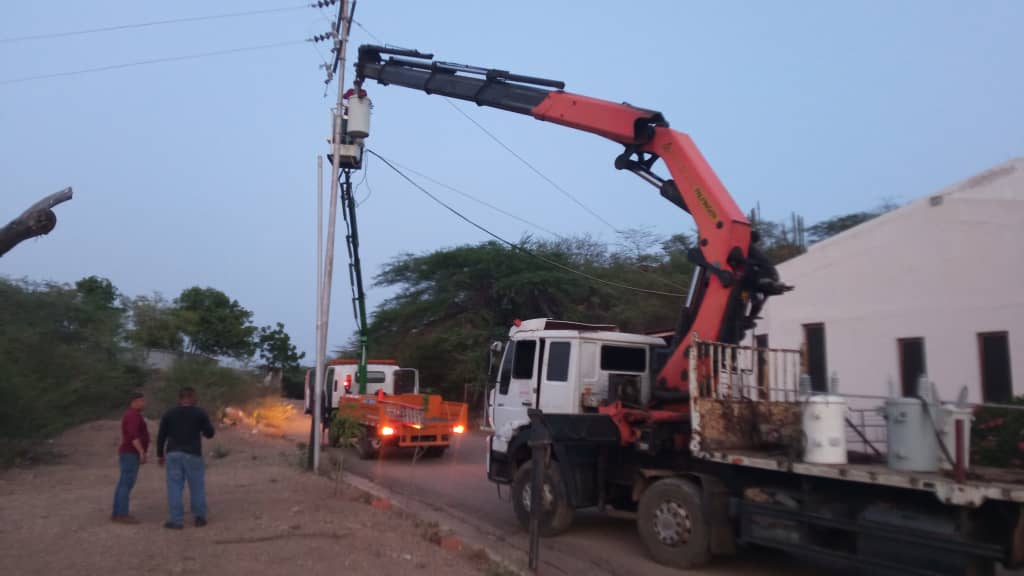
pixel 936 287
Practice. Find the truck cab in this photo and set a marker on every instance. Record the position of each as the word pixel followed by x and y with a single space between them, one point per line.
pixel 563 368
pixel 381 375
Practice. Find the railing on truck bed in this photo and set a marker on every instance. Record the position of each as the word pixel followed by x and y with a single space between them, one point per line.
pixel 746 410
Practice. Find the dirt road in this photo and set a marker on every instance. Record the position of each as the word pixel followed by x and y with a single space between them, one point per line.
pixel 266 518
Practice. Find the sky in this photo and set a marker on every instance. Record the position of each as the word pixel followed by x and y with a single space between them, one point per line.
pixel 203 171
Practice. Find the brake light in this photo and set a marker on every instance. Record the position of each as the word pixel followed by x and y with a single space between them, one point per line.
pixel 517 322
pixel 348 383
pixel 387 431
pixel 459 429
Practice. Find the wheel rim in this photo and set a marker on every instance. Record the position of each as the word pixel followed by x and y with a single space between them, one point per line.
pixel 548 496
pixel 375 443
pixel 672 524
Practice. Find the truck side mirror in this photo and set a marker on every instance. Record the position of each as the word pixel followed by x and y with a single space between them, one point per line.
pixel 494 360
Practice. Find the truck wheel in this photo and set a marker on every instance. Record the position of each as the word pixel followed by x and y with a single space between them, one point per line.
pixel 558 514
pixel 367 444
pixel 434 451
pixel 671 524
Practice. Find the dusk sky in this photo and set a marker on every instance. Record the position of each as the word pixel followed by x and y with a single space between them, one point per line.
pixel 202 171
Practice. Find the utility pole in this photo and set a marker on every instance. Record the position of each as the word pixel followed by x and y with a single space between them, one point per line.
pixel 342 26
pixel 315 429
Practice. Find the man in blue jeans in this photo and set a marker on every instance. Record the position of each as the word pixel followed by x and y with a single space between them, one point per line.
pixel 131 453
pixel 181 429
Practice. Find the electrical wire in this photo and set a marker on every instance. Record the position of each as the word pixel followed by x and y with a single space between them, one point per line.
pixel 516 246
pixel 151 23
pixel 535 170
pixel 366 174
pixel 148 62
pixel 368 33
pixel 481 202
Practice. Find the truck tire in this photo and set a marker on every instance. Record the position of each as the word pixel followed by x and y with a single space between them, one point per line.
pixel 367 444
pixel 671 523
pixel 558 513
pixel 434 451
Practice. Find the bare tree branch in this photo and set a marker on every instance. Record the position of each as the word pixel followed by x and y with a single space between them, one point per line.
pixel 38 220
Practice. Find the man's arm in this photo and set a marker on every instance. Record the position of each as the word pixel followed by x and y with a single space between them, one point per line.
pixel 207 427
pixel 161 437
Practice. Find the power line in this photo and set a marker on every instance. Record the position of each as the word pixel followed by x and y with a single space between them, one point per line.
pixel 515 246
pixel 153 23
pixel 368 33
pixel 482 202
pixel 536 171
pixel 151 61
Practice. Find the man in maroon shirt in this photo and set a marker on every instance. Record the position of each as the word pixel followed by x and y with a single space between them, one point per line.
pixel 131 454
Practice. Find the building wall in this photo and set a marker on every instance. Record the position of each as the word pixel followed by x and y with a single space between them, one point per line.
pixel 943 270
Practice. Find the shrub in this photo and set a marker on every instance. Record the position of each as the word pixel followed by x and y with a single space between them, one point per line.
pixel 344 429
pixel 216 386
pixel 997 435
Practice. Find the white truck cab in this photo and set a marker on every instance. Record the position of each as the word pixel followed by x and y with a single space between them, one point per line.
pixel 566 368
pixel 340 380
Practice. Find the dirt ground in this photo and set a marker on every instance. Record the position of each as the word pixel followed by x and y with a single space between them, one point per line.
pixel 266 517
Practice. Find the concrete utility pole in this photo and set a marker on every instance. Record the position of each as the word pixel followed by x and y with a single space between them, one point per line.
pixel 341 30
pixel 315 428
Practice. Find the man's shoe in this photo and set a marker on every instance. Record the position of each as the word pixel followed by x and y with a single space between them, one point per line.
pixel 172 526
pixel 200 521
pixel 124 519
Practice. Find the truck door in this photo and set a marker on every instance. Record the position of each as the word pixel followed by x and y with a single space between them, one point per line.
pixel 516 382
pixel 330 390
pixel 557 393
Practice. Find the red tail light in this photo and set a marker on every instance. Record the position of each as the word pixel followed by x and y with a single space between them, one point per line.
pixel 348 383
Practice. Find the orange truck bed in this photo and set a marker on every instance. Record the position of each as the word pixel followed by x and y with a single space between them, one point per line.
pixel 408 420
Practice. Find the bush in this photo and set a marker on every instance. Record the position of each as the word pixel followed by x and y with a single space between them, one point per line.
pixel 216 386
pixel 997 436
pixel 344 429
pixel 271 412
pixel 293 383
pixel 61 361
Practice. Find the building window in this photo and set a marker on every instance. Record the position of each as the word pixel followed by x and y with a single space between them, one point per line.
pixel 558 361
pixel 817 367
pixel 912 364
pixel 994 354
pixel 522 365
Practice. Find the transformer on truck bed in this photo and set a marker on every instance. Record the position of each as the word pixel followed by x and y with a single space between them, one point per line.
pixel 392 413
pixel 699 441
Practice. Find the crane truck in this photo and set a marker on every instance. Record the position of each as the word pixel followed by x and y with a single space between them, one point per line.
pixel 698 441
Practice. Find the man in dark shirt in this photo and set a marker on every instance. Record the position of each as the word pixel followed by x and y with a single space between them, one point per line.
pixel 131 453
pixel 180 430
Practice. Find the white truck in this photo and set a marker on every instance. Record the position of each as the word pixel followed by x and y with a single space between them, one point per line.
pixel 735 472
pixel 340 380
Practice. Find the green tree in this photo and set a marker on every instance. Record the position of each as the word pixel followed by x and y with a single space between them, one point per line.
pixel 214 324
pixel 61 362
pixel 154 323
pixel 449 304
pixel 97 292
pixel 276 348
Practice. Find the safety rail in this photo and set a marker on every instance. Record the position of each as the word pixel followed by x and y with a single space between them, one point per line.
pixel 734 371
